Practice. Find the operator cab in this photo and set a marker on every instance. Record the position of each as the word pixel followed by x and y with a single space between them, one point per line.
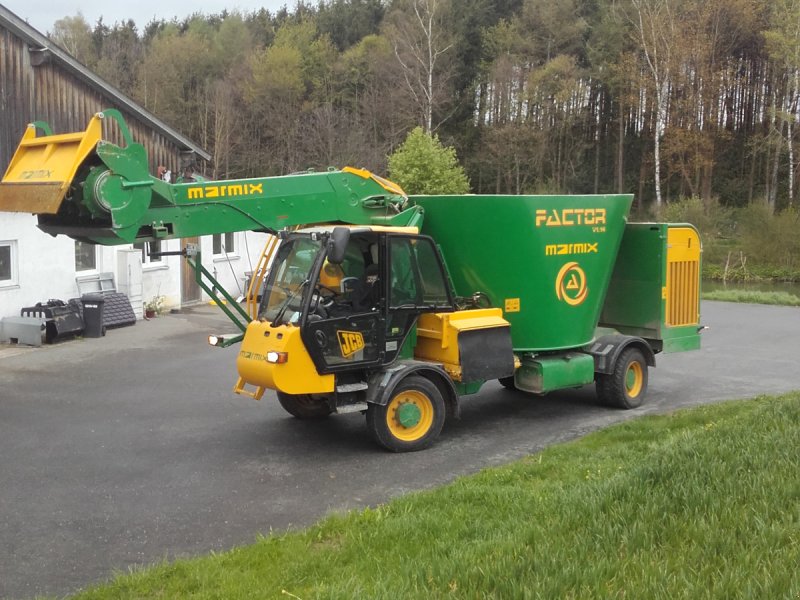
pixel 355 292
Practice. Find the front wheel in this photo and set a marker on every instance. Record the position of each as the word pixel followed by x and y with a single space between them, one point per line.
pixel 412 418
pixel 626 386
pixel 304 406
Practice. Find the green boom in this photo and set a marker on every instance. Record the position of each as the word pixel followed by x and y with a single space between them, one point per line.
pixel 87 188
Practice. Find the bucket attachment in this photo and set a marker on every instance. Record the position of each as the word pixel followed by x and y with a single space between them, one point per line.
pixel 43 167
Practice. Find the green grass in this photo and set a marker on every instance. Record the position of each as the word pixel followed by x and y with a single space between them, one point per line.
pixel 753 297
pixel 702 503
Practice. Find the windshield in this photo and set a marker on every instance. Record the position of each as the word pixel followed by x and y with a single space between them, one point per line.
pixel 288 277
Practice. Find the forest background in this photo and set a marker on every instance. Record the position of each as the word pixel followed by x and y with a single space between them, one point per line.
pixel 691 105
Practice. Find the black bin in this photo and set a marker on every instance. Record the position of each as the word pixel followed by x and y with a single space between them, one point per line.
pixel 61 320
pixel 93 315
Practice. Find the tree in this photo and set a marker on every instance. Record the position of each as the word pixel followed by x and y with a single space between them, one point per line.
pixel 783 45
pixel 422 165
pixel 119 55
pixel 422 45
pixel 347 22
pixel 74 35
pixel 654 25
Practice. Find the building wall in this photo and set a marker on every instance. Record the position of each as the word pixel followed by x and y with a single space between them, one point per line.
pixel 48 92
pixel 45 266
pixel 35 86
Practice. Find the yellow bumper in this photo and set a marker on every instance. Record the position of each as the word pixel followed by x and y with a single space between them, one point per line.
pixel 297 375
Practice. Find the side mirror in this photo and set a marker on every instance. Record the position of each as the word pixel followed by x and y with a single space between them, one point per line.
pixel 338 244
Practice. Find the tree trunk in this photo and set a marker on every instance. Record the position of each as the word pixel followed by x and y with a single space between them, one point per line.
pixel 661 117
pixel 772 197
pixel 789 134
pixel 621 151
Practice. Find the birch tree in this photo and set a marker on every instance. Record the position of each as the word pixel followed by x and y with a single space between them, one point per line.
pixel 783 45
pixel 422 43
pixel 653 25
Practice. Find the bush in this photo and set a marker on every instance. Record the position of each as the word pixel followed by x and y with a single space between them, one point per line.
pixel 422 165
pixel 742 244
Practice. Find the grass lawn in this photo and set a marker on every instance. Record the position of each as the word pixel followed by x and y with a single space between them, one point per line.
pixel 753 297
pixel 703 503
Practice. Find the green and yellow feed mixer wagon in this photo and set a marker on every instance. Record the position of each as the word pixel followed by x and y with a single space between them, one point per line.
pixel 369 300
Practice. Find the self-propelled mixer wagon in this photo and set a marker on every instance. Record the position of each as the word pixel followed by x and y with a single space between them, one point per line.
pixel 369 300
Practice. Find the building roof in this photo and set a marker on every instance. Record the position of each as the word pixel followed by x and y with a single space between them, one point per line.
pixel 40 42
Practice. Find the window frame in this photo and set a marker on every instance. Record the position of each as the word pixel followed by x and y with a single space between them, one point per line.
pixel 149 263
pixel 225 250
pixel 78 269
pixel 13 263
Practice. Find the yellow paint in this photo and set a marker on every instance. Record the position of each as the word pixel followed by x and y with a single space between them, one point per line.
pixel 235 190
pixel 296 376
pixel 512 305
pixel 414 432
pixel 569 249
pixel 42 168
pixel 571 284
pixel 257 279
pixel 634 388
pixel 682 301
pixel 376 228
pixel 437 334
pixel 389 186
pixel 350 342
pixel 568 217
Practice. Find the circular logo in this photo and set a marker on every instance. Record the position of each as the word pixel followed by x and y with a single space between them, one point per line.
pixel 571 284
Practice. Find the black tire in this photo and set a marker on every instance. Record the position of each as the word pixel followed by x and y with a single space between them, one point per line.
pixel 508 382
pixel 626 387
pixel 304 406
pixel 409 429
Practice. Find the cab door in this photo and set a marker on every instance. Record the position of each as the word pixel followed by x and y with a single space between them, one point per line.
pixel 417 284
pixel 345 322
pixel 345 343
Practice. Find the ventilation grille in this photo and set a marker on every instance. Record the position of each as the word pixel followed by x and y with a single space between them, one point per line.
pixel 683 293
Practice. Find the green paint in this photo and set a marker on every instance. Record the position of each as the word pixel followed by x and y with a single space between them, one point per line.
pixel 408 414
pixel 465 389
pixel 546 260
pixel 544 374
pixel 634 303
pixel 630 379
pixel 521 247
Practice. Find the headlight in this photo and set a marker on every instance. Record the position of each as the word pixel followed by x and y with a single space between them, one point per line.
pixel 277 358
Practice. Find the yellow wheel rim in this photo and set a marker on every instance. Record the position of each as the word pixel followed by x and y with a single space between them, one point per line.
pixel 409 415
pixel 634 379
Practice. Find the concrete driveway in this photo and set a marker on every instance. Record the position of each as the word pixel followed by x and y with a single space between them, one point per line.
pixel 124 450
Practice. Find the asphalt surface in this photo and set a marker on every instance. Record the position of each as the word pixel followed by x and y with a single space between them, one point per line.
pixel 132 448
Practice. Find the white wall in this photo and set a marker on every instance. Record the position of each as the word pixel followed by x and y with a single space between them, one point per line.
pixel 164 278
pixel 45 266
pixel 230 269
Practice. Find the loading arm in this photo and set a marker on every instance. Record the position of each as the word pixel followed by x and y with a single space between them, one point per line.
pixel 90 189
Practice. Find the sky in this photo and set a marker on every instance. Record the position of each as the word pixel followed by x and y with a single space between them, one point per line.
pixel 41 14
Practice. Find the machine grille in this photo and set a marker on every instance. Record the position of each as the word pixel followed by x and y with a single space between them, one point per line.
pixel 683 288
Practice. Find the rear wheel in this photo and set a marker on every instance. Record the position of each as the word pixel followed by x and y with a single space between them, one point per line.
pixel 626 386
pixel 304 406
pixel 508 382
pixel 412 418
